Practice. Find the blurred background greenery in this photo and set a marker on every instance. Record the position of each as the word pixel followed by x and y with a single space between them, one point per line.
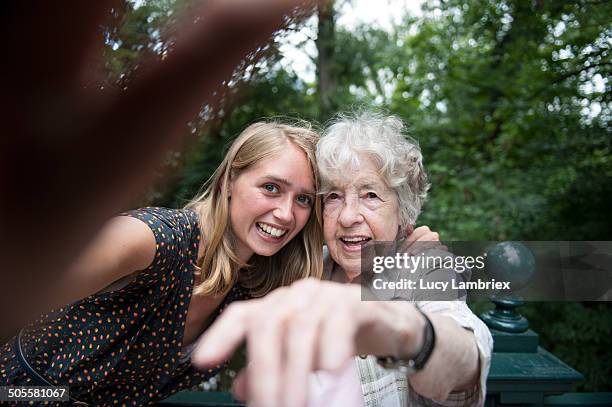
pixel 510 101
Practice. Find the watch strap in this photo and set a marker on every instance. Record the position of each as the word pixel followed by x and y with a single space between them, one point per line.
pixel 418 361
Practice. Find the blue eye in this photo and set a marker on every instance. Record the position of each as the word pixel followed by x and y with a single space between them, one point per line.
pixel 270 188
pixel 304 200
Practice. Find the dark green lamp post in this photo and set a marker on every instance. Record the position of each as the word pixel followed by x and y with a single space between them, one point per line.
pixel 522 373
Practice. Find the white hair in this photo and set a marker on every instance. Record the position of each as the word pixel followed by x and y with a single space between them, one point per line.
pixel 381 138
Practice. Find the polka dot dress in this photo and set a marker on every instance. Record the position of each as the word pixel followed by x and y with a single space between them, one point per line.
pixel 123 347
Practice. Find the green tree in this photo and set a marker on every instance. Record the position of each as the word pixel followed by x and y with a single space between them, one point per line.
pixel 498 94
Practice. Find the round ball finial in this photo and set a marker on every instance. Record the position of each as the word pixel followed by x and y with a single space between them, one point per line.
pixel 513 262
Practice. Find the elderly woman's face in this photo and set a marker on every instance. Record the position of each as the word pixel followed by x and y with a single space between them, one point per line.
pixel 357 211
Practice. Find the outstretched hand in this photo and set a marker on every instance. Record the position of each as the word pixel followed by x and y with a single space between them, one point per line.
pixel 62 130
pixel 293 331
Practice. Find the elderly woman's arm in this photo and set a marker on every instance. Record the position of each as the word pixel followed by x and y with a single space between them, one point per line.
pixel 459 363
pixel 316 325
pixel 461 358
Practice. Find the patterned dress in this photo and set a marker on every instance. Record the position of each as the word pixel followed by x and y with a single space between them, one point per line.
pixel 124 346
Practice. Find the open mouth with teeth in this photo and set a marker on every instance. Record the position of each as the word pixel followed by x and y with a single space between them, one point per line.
pixel 270 230
pixel 356 241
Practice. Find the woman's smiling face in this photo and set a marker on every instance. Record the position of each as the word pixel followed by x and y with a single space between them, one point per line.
pixel 356 211
pixel 271 202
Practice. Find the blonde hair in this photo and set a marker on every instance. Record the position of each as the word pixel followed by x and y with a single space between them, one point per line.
pixel 301 257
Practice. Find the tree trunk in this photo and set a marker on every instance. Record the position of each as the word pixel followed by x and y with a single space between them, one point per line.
pixel 326 72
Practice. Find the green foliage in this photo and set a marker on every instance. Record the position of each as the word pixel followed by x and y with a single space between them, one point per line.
pixel 135 34
pixel 498 109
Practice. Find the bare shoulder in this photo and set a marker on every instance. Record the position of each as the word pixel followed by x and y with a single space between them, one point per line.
pixel 131 240
pixel 123 246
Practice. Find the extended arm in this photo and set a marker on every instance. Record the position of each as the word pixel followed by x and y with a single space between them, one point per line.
pixel 123 246
pixel 454 364
pixel 316 325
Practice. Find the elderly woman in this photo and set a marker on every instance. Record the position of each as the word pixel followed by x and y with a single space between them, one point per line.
pixel 373 186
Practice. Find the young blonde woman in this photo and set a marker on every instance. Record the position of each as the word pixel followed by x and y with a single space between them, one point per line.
pixel 160 276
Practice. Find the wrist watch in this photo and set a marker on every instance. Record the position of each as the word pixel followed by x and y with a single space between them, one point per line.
pixel 418 361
